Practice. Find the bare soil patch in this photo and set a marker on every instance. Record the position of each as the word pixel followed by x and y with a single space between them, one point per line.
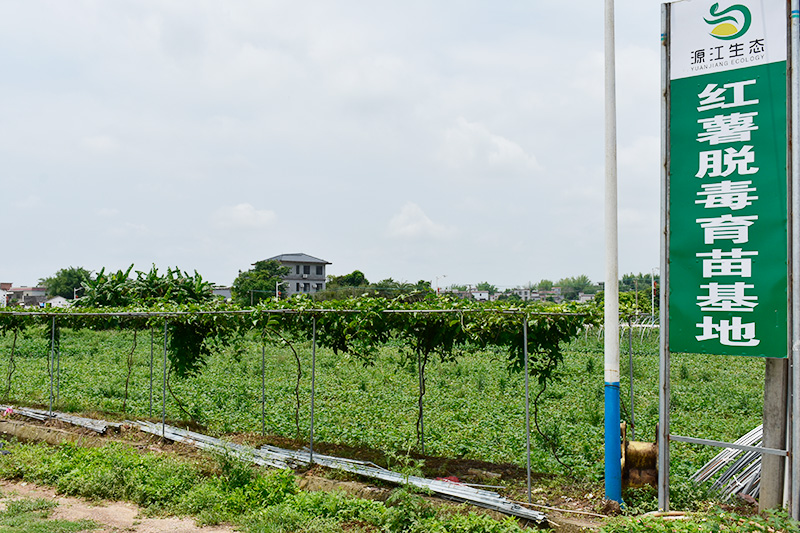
pixel 111 516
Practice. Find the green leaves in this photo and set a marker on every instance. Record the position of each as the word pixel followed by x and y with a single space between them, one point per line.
pixel 356 326
pixel 119 289
pixel 259 283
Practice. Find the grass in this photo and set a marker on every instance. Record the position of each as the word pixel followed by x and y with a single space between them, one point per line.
pixel 715 521
pixel 474 407
pixel 253 499
pixel 33 516
pixel 259 501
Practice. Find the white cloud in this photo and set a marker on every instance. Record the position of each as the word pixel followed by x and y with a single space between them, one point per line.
pixel 412 222
pixel 127 230
pixel 100 144
pixel 243 216
pixel 470 146
pixel 30 201
pixel 107 212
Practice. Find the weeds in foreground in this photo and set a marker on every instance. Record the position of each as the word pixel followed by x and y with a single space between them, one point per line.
pixel 718 520
pixel 258 500
pixel 32 516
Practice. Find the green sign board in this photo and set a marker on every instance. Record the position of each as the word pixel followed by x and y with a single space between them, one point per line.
pixel 727 179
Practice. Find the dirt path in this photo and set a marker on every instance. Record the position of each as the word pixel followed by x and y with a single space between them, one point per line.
pixel 112 516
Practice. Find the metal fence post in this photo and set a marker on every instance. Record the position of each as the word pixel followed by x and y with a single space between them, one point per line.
pixel 630 374
pixel 527 404
pixel 313 383
pixel 164 384
pixel 151 371
pixel 794 504
pixel 663 311
pixel 263 387
pixel 50 360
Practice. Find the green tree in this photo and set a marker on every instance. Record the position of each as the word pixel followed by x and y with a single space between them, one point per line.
pixel 635 282
pixel 572 287
pixel 65 282
pixel 258 283
pixel 544 285
pixel 354 279
pixel 486 286
pixel 509 297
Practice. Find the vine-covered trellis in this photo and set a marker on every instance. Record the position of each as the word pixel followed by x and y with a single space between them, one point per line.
pixel 432 329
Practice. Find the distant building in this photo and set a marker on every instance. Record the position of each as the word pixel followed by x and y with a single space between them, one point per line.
pixel 306 273
pixel 58 301
pixel 524 294
pixel 551 295
pixel 28 296
pixel 481 296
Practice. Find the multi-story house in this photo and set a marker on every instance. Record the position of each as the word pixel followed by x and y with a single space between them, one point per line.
pixel 306 273
pixel 523 293
pixel 28 296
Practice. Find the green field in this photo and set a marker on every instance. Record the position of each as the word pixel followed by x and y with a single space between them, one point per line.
pixel 474 406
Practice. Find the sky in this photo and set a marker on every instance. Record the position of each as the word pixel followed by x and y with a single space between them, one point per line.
pixel 451 141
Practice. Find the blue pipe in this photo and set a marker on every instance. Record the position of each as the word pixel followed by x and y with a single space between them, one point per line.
pixel 613 444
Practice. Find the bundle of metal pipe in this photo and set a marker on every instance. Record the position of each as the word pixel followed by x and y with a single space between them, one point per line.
pixel 282 458
pixel 741 470
pixel 98 426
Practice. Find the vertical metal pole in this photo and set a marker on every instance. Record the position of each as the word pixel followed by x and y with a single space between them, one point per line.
pixel 420 406
pixel 164 385
pixel 663 343
pixel 527 404
pixel 795 234
pixel 50 359
pixel 58 373
pixel 630 375
pixel 313 384
pixel 653 292
pixel 151 371
pixel 613 470
pixel 787 470
pixel 263 388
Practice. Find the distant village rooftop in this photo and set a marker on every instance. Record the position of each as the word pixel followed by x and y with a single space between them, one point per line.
pixel 298 258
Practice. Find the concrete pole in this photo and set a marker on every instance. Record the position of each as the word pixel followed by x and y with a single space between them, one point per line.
pixel 613 469
pixel 774 419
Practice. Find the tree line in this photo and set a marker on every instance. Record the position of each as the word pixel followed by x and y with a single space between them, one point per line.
pixel 263 282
